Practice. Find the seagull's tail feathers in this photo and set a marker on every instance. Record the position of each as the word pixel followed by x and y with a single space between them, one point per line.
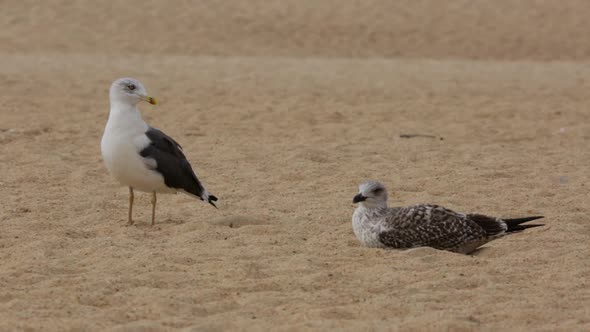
pixel 203 195
pixel 211 199
pixel 201 192
pixel 516 224
pixel 207 197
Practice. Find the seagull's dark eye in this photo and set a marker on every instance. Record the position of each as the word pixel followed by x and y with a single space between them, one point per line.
pixel 378 191
pixel 131 87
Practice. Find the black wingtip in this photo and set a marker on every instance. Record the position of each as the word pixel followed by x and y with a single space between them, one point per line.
pixel 212 199
pixel 514 225
pixel 517 221
pixel 520 228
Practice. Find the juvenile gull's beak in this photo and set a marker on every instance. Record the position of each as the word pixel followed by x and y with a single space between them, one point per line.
pixel 359 198
pixel 149 99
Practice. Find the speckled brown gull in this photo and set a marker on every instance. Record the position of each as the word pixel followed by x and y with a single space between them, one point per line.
pixel 376 225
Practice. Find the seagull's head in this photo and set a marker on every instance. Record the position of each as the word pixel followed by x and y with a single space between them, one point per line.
pixel 129 91
pixel 371 194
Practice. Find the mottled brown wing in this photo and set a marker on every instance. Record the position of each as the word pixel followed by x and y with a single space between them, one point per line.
pixel 430 226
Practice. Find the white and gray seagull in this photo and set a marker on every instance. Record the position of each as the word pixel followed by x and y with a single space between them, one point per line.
pixel 141 157
pixel 376 225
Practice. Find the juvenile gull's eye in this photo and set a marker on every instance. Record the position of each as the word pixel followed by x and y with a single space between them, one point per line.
pixel 131 87
pixel 378 191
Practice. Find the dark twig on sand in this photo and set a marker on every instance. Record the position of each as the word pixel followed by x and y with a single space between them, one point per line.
pixel 419 135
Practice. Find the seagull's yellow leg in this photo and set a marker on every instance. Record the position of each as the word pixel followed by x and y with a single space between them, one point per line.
pixel 154 208
pixel 130 205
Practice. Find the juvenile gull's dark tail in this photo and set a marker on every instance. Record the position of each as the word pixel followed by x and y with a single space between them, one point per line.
pixel 515 225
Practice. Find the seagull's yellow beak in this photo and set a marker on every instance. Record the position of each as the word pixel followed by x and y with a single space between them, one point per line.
pixel 149 99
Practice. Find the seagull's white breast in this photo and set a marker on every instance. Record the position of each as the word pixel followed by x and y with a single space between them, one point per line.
pixel 367 227
pixel 123 139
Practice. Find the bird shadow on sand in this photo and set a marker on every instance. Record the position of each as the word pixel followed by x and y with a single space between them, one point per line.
pixel 428 251
pixel 479 251
pixel 146 225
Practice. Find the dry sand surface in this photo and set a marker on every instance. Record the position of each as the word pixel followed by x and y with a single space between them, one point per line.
pixel 283 107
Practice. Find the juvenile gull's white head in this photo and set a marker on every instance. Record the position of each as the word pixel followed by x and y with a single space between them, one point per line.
pixel 371 194
pixel 129 91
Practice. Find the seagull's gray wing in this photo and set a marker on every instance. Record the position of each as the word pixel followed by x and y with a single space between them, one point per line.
pixel 433 226
pixel 173 165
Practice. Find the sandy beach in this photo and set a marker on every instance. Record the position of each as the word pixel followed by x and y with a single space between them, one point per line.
pixel 283 108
